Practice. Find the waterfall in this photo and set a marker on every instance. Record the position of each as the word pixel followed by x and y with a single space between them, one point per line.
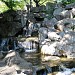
pixel 8 43
pixel 15 45
pixel 4 42
pixel 4 45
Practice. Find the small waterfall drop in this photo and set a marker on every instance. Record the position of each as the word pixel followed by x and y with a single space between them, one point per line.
pixel 8 43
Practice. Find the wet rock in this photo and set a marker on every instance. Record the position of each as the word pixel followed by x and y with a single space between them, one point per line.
pixel 39 70
pixel 7 70
pixel 66 71
pixel 1 55
pixel 49 49
pixel 46 23
pixel 43 34
pixel 61 13
pixel 53 21
pixel 13 58
pixel 59 27
pixel 46 41
pixel 47 58
pixel 68 6
pixel 57 14
pixel 66 45
pixel 49 23
pixel 53 36
pixel 67 21
pixel 39 16
pixel 68 24
pixel 73 11
pixel 21 74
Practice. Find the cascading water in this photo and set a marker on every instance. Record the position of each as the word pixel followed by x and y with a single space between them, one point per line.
pixel 4 45
pixel 29 46
pixel 7 44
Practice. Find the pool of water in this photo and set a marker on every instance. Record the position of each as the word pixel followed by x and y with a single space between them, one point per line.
pixel 50 67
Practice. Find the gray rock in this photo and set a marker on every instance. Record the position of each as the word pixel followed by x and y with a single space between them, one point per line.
pixel 48 58
pixel 49 49
pixel 73 11
pixel 53 36
pixel 67 44
pixel 59 27
pixel 13 58
pixel 43 33
pixel 57 13
pixel 72 5
pixel 1 55
pixel 67 23
pixel 61 13
pixel 53 21
pixel 11 22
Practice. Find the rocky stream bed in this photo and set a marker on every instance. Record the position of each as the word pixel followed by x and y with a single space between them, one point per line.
pixel 38 46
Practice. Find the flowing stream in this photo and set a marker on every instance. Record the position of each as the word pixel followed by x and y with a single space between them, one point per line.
pixel 42 64
pixel 63 66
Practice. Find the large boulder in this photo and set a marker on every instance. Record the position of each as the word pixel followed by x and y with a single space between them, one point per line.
pixel 68 20
pixel 13 58
pixel 73 11
pixel 57 14
pixel 43 33
pixel 69 6
pixel 61 13
pixel 48 49
pixel 53 36
pixel 13 64
pixel 49 23
pixel 67 45
pixel 66 24
pixel 10 23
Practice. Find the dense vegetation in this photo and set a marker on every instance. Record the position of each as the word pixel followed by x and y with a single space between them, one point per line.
pixel 11 5
pixel 19 4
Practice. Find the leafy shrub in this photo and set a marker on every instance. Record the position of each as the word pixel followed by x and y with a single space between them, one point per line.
pixel 3 7
pixel 12 5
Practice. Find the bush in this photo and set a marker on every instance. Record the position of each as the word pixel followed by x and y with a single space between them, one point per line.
pixel 12 5
pixel 3 7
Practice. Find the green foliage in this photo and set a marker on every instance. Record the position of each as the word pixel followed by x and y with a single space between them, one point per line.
pixel 3 7
pixel 12 5
pixel 43 2
pixel 27 2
